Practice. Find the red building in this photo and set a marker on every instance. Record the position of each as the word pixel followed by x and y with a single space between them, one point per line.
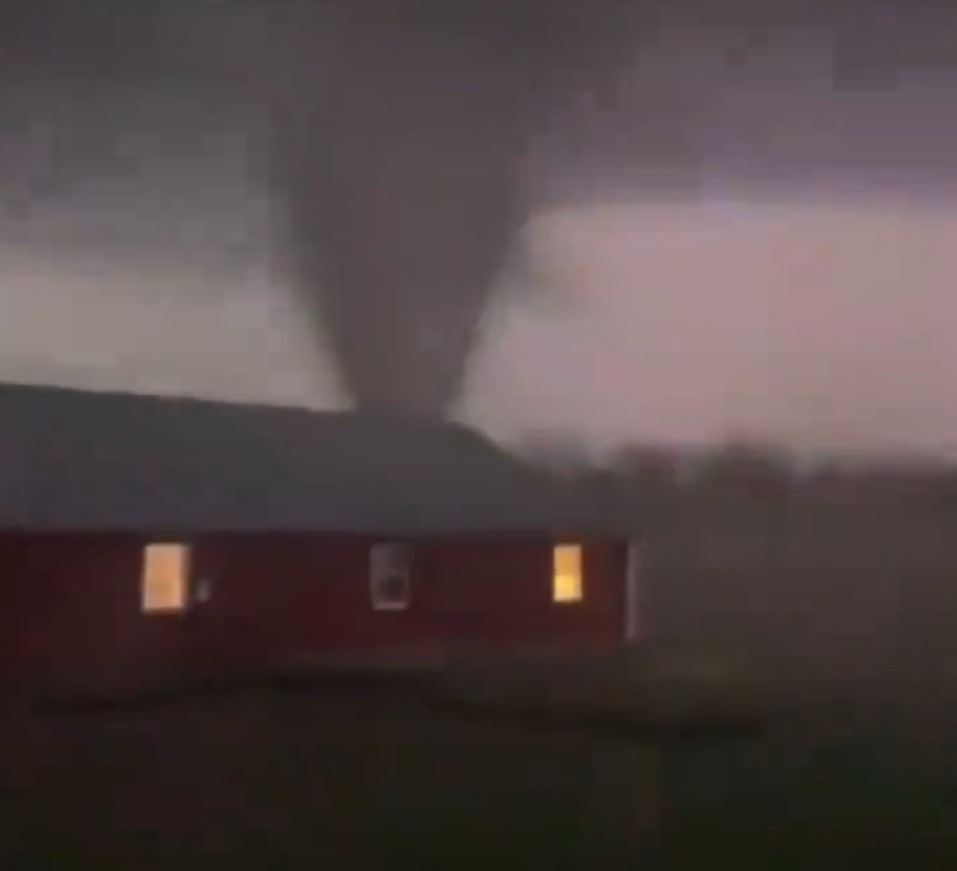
pixel 146 539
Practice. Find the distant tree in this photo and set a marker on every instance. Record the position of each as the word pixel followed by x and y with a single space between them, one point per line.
pixel 748 469
pixel 562 455
pixel 645 465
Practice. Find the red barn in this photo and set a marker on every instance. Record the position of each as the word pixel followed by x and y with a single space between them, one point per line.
pixel 146 539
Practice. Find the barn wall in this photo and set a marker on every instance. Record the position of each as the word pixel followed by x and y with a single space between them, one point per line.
pixel 72 615
pixel 72 619
pixel 475 593
pixel 287 596
pixel 279 597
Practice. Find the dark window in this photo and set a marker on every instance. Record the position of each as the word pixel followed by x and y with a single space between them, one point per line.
pixel 390 576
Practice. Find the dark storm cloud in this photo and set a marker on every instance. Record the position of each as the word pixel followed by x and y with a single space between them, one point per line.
pixel 406 143
pixel 406 214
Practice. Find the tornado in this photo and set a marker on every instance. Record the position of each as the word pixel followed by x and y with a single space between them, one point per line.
pixel 392 139
pixel 403 156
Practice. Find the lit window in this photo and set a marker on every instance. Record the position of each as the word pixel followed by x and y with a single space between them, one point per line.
pixel 165 578
pixel 567 573
pixel 390 577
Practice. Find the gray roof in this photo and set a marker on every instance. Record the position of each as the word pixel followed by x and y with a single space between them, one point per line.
pixel 98 461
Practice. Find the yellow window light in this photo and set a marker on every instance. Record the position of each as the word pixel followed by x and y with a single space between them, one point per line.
pixel 567 573
pixel 165 578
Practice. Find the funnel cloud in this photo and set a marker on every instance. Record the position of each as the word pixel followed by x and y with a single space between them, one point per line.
pixel 405 213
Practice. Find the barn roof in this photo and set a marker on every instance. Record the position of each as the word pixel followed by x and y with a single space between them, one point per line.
pixel 78 460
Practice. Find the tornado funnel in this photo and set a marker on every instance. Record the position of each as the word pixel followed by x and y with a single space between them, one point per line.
pixel 406 183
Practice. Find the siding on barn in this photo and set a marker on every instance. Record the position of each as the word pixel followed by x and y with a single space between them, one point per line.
pixel 315 597
pixel 503 594
pixel 278 599
pixel 73 606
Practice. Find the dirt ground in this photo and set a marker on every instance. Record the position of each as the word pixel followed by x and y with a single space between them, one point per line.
pixel 300 778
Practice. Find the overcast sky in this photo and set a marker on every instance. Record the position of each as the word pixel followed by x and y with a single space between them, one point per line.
pixel 758 242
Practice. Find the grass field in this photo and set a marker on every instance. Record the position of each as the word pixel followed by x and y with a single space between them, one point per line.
pixel 299 777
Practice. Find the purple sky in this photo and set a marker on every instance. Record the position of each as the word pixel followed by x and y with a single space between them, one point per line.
pixel 729 249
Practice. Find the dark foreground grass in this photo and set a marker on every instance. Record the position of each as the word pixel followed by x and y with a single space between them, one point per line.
pixel 301 779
